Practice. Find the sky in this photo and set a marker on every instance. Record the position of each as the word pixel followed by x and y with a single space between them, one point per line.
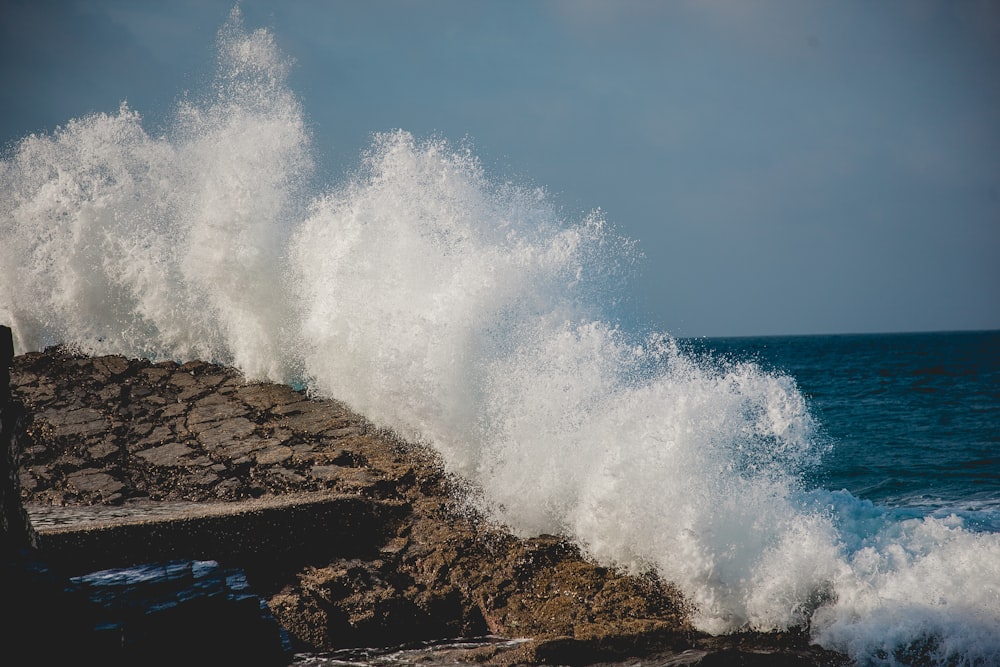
pixel 786 167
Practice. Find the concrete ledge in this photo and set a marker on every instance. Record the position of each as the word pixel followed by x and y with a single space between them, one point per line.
pixel 246 534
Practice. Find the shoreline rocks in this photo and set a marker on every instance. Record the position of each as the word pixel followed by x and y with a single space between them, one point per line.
pixel 109 432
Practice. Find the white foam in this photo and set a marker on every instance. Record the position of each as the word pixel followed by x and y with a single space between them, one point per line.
pixel 913 586
pixel 117 241
pixel 469 314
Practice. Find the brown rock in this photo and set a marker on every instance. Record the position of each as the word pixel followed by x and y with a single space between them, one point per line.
pixel 169 455
pixel 326 473
pixel 225 432
pixel 272 455
pixel 91 482
pixel 74 422
pixel 421 565
pixel 213 409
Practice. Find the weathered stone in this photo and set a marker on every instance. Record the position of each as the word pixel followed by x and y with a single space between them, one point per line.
pixel 214 410
pixel 40 472
pixel 104 368
pixel 69 461
pixel 110 393
pixel 303 451
pixel 173 410
pixel 90 480
pixel 203 477
pixel 343 432
pixel 225 432
pixel 314 421
pixel 235 451
pixel 183 379
pixel 154 375
pixel 287 476
pixel 28 481
pixel 355 479
pixel 423 567
pixel 169 454
pixel 335 456
pixel 273 455
pixel 158 436
pixel 327 473
pixel 77 422
pixel 103 450
pixel 228 488
pixel 271 397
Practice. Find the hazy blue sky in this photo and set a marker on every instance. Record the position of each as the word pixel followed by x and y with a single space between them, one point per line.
pixel 786 167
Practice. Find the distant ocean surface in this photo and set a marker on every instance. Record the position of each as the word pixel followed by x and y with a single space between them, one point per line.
pixel 847 483
pixel 913 418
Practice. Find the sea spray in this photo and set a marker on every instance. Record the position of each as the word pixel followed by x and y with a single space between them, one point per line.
pixel 424 274
pixel 165 246
pixel 461 316
pixel 470 314
pixel 250 159
pixel 683 470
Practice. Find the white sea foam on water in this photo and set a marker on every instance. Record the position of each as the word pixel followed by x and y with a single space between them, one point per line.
pixel 469 314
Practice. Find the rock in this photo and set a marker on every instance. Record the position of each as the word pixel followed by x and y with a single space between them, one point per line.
pixel 91 480
pixel 16 532
pixel 168 455
pixel 225 433
pixel 400 559
pixel 273 455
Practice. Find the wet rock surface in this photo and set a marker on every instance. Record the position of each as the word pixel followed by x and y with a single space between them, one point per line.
pixel 115 433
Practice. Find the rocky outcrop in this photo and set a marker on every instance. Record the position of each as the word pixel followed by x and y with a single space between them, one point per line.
pixel 402 559
pixel 15 529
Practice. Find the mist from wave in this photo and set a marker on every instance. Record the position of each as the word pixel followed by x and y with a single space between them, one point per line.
pixel 467 312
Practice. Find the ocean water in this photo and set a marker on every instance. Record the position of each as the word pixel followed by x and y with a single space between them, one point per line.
pixel 912 418
pixel 845 482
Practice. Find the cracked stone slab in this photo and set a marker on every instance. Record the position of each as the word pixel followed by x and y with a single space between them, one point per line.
pixel 168 455
pixel 94 480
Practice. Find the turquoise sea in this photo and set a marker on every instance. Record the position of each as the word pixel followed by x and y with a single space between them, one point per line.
pixel 913 418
